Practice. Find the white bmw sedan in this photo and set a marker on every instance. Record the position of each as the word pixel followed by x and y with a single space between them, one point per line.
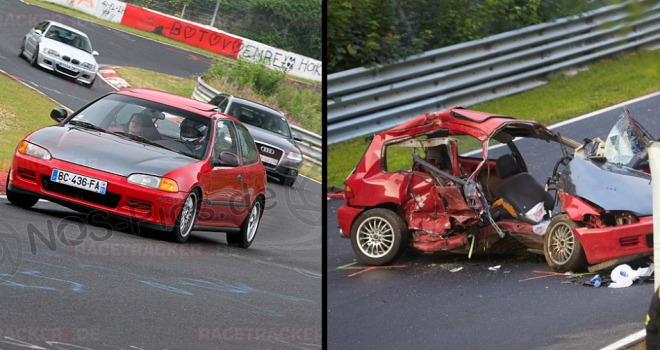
pixel 60 48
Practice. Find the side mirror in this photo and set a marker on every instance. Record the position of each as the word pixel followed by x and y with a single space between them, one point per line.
pixel 58 114
pixel 95 53
pixel 38 32
pixel 227 159
pixel 298 137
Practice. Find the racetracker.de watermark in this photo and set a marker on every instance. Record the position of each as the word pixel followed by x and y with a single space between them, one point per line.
pixel 258 334
pixel 138 250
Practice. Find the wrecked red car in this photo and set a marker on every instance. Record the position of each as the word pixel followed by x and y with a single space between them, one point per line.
pixel 418 185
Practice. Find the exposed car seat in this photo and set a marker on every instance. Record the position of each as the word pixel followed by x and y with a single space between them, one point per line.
pixel 520 189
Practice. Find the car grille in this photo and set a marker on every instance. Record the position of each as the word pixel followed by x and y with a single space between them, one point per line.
pixel 628 241
pixel 139 204
pixel 66 71
pixel 269 151
pixel 110 200
pixel 27 174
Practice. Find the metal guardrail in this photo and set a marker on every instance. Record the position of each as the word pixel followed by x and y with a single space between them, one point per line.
pixel 311 146
pixel 364 101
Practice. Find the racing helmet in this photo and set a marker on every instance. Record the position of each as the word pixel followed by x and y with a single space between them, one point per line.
pixel 193 130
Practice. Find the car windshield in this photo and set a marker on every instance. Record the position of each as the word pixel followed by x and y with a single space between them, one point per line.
pixel 260 118
pixel 623 142
pixel 147 122
pixel 70 38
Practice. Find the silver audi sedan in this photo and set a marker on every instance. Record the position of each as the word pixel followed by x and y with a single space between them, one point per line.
pixel 60 48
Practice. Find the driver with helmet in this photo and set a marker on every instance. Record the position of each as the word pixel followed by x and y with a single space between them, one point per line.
pixel 193 133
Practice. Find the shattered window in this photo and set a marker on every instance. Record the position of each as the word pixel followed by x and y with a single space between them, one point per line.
pixel 623 143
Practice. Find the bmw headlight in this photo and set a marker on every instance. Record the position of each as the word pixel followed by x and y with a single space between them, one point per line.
pixel 33 150
pixel 155 182
pixel 87 65
pixel 51 52
pixel 294 156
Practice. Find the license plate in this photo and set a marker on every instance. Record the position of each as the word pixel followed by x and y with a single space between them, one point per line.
pixel 268 160
pixel 69 67
pixel 79 181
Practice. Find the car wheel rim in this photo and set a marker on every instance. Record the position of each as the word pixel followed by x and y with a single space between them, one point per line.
pixel 253 221
pixel 561 243
pixel 187 215
pixel 375 237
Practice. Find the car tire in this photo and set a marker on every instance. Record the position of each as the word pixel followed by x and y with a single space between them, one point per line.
pixel 34 61
pixel 245 237
pixel 286 180
pixel 186 219
pixel 562 249
pixel 20 53
pixel 21 200
pixel 379 236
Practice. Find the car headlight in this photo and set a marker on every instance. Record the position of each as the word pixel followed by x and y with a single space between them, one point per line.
pixel 87 65
pixel 294 156
pixel 155 182
pixel 33 150
pixel 51 52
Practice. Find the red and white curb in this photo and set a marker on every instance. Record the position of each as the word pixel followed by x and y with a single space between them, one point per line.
pixel 113 79
pixel 3 183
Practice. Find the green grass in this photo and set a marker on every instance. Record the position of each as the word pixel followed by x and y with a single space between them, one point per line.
pixel 606 83
pixel 142 78
pixel 22 110
pixel 310 171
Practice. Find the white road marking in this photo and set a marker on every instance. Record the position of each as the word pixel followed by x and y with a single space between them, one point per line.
pixel 625 342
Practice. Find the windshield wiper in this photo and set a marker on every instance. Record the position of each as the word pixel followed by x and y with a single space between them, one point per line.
pixel 140 138
pixel 86 125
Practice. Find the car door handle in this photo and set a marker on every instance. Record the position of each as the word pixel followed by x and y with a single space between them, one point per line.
pixel 240 177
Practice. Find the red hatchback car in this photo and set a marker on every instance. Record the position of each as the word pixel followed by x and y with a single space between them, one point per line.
pixel 160 160
pixel 417 184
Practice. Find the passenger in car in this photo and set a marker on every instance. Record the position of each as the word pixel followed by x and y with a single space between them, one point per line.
pixel 142 125
pixel 54 34
pixel 236 112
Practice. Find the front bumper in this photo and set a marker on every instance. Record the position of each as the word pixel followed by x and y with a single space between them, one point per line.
pixel 286 168
pixel 52 63
pixel 145 206
pixel 607 243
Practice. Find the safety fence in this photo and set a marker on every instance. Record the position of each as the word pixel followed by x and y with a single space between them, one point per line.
pixel 311 146
pixel 364 101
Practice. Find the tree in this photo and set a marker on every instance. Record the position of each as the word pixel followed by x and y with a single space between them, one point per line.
pixel 294 26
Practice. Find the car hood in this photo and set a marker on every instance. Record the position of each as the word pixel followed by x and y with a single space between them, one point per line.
pixel 611 187
pixel 66 50
pixel 271 138
pixel 107 152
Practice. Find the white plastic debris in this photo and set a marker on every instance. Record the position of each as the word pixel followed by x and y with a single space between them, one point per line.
pixel 456 269
pixel 623 275
pixel 536 213
pixel 541 227
pixel 494 268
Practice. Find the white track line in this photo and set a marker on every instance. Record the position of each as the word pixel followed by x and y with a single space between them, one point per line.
pixel 633 338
